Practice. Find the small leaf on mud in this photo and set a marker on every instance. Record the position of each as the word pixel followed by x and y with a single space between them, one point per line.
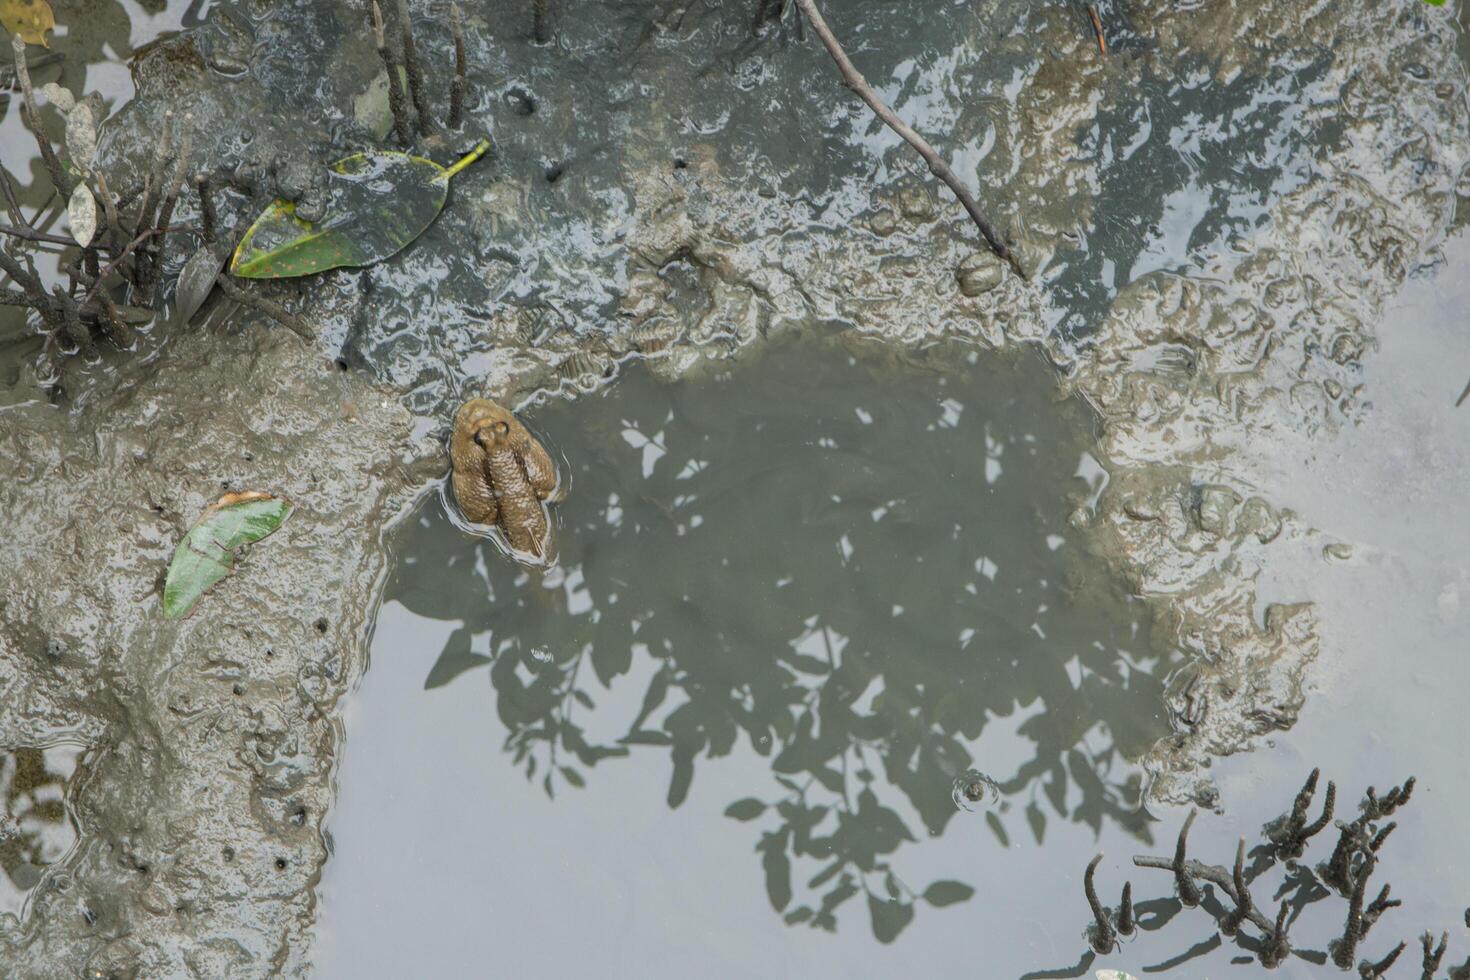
pixel 58 96
pixel 1114 975
pixel 207 553
pixel 196 280
pixel 81 215
pixel 380 202
pixel 28 20
pixel 746 809
pixel 943 893
pixel 81 136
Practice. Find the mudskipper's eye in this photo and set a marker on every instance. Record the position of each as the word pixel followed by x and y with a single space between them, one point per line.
pixel 502 428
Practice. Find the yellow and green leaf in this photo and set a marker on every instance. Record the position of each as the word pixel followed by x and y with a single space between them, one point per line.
pixel 378 203
pixel 28 20
pixel 207 553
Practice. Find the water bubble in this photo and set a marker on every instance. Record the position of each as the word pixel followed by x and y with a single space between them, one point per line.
pixel 974 790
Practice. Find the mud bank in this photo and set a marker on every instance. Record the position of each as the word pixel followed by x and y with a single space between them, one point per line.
pixel 199 799
pixel 1215 215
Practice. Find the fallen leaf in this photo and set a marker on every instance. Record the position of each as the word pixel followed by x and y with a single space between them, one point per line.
pixel 380 202
pixel 59 96
pixel 1114 975
pixel 207 553
pixel 81 136
pixel 196 280
pixel 81 215
pixel 28 20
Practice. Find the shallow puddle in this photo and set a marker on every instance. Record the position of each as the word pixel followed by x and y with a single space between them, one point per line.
pixel 800 609
pixel 36 830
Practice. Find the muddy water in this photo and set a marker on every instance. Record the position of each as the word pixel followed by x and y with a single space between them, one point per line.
pixel 1220 211
pixel 810 595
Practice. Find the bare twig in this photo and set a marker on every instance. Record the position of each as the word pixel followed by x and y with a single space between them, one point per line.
pixel 1102 42
pixel 109 213
pixel 270 308
pixel 32 235
pixel 12 206
pixel 396 101
pixel 64 184
pixel 413 71
pixel 157 172
pixel 937 165
pixel 171 192
pixel 133 245
pixel 30 285
pixel 460 85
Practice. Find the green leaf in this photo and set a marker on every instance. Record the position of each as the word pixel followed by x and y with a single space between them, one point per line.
pixel 573 776
pixel 746 809
pixel 943 893
pixel 207 553
pixel 379 202
pixel 1435 3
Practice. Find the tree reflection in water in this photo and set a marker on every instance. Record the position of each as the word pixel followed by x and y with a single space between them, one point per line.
pixel 35 830
pixel 857 570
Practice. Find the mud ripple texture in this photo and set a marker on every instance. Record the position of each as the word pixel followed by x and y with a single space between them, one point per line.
pixel 200 797
pixel 1216 213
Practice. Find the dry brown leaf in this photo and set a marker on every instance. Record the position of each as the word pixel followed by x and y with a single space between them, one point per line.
pixel 28 19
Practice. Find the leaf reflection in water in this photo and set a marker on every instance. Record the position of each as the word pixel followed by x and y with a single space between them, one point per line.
pixel 856 570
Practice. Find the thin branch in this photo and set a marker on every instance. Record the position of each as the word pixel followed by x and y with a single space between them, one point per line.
pixel 157 174
pixel 270 308
pixel 59 179
pixel 1102 42
pixel 460 85
pixel 32 235
pixel 937 165
pixel 111 266
pixel 12 206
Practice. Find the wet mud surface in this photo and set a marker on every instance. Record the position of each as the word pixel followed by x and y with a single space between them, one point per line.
pixel 1216 215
